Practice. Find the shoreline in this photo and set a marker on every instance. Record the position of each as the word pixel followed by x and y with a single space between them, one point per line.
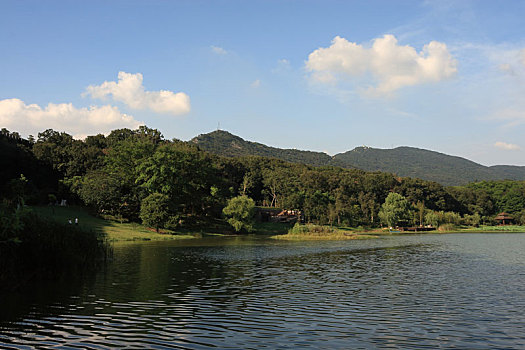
pixel 134 232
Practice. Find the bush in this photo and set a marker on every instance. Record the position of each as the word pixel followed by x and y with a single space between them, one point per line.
pixel 447 227
pixel 299 229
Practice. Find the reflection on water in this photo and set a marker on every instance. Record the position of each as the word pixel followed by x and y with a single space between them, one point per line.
pixel 457 291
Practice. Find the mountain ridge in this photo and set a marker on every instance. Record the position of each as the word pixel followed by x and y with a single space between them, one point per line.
pixel 226 144
pixel 404 161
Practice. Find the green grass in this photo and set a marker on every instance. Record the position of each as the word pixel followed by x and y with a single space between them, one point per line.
pixel 115 231
pixel 271 228
pixel 506 228
pixel 318 232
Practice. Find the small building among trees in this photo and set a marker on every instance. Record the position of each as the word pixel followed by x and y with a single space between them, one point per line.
pixel 270 214
pixel 504 219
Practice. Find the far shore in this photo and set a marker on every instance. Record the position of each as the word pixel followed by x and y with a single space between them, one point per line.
pixel 358 233
pixel 118 232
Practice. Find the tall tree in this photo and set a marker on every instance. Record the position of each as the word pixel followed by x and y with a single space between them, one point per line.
pixel 395 209
pixel 240 211
pixel 154 210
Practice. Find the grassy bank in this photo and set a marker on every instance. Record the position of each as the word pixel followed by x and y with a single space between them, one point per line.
pixel 114 231
pixel 487 229
pixel 318 232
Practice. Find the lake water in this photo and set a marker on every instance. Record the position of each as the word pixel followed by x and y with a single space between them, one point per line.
pixel 420 291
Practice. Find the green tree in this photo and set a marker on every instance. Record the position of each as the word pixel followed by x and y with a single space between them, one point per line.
pixel 395 209
pixel 154 210
pixel 240 211
pixel 102 191
pixel 433 218
pixel 420 207
pixel 472 220
pixel 452 218
pixel 17 188
pixel 521 217
pixel 180 171
pixel 368 205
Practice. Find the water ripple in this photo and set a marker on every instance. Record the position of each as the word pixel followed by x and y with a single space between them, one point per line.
pixel 406 292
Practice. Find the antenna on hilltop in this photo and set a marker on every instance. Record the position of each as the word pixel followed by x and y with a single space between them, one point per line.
pixel 218 126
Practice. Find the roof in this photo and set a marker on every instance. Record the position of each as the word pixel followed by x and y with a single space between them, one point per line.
pixel 504 216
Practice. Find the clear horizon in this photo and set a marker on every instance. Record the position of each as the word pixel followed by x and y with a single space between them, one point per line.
pixel 322 76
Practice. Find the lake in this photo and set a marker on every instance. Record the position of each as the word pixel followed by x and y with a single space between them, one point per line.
pixel 414 291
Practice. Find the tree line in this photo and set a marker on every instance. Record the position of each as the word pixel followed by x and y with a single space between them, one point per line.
pixel 138 175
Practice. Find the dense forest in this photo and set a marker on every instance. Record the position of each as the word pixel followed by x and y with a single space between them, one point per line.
pixel 128 172
pixel 403 161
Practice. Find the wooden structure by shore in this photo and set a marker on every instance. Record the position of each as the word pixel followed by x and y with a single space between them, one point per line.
pixel 268 214
pixel 504 219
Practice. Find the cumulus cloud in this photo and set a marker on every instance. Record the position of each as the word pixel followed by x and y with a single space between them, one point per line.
pixel 522 56
pixel 129 90
pixel 15 115
pixel 506 146
pixel 390 66
pixel 255 84
pixel 218 50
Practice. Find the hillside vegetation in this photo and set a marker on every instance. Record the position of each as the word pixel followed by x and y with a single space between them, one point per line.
pixel 228 145
pixel 402 161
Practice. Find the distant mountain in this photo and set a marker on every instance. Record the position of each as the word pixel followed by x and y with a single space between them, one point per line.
pixel 425 164
pixel 510 172
pixel 403 161
pixel 226 144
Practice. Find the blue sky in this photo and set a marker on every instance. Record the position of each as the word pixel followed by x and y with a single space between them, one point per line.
pixel 316 75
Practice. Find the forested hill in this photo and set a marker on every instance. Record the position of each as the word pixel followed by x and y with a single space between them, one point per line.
pixel 225 144
pixel 403 161
pixel 425 164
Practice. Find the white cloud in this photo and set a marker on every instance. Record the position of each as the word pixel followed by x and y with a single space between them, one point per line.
pixel 129 90
pixel 218 50
pixel 15 115
pixel 522 56
pixel 506 146
pixel 389 65
pixel 255 84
